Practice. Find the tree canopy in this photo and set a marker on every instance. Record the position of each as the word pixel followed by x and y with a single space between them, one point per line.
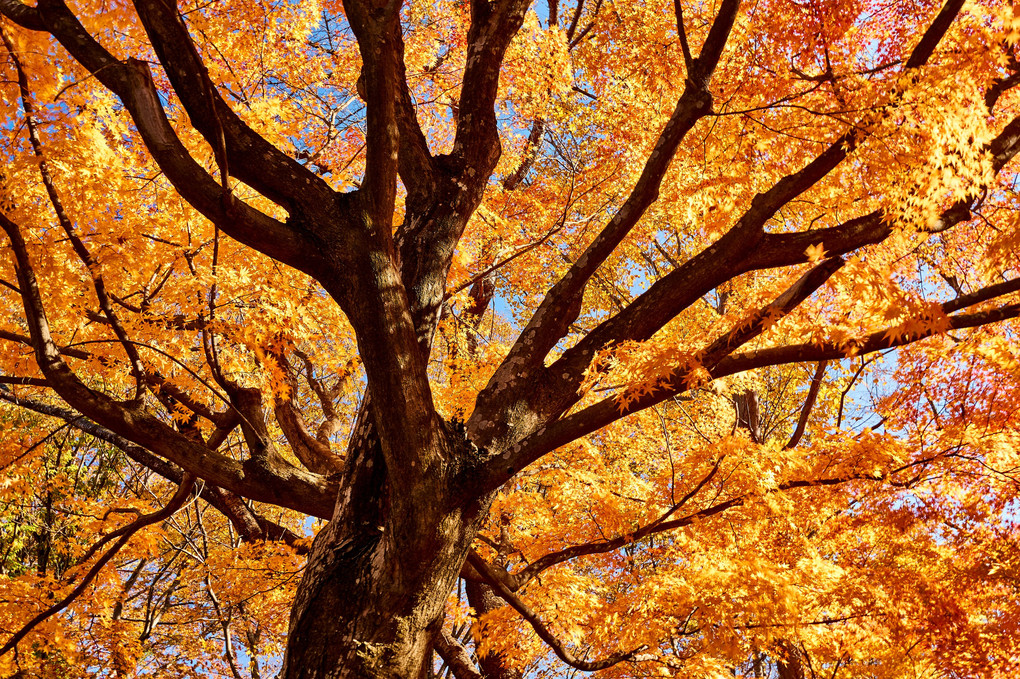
pixel 492 339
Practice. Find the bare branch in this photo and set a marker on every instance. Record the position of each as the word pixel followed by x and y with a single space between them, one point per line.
pixel 456 657
pixel 809 403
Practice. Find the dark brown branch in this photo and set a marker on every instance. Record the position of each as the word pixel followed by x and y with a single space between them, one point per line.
pixel 983 295
pixel 99 285
pixel 531 148
pixel 187 400
pixel 575 20
pixel 456 657
pixel 780 307
pixel 809 403
pixel 315 455
pixel 251 526
pixel 574 38
pixel 878 341
pixel 933 36
pixel 594 417
pixel 715 42
pixel 523 577
pixel 415 163
pixel 249 157
pixel 604 412
pixel 375 24
pixel 561 304
pixel 561 651
pixel 777 250
pixel 727 257
pixel 681 30
pixel 25 381
pixel 745 247
pixel 131 82
pixel 22 14
pixel 738 251
pixel 1006 82
pixel 476 147
pixel 269 480
pixel 27 341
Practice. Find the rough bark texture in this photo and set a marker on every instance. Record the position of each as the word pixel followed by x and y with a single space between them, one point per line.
pixel 369 607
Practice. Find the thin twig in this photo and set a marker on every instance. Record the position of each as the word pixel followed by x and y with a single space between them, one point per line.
pixel 175 503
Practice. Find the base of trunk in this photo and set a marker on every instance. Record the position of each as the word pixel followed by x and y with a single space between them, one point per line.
pixel 368 608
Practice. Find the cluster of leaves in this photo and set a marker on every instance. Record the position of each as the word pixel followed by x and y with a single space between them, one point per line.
pixel 185 599
pixel 802 520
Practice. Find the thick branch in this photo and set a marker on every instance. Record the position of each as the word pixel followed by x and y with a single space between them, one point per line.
pixel 476 147
pixel 933 36
pixel 314 454
pixel 785 249
pixel 745 247
pixel 563 302
pixel 498 471
pixel 131 82
pixel 456 657
pixel 681 30
pixel 273 480
pixel 22 14
pixel 250 158
pixel 251 526
pixel 511 391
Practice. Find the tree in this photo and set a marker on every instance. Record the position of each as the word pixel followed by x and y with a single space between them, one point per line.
pixel 570 304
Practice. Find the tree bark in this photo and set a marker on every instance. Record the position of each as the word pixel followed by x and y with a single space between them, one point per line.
pixel 370 602
pixel 372 597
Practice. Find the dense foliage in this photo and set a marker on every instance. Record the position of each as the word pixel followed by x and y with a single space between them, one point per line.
pixel 621 336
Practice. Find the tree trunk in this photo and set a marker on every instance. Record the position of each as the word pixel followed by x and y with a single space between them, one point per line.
pixel 372 597
pixel 365 610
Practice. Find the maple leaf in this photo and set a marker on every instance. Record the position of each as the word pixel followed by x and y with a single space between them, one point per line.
pixel 815 253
